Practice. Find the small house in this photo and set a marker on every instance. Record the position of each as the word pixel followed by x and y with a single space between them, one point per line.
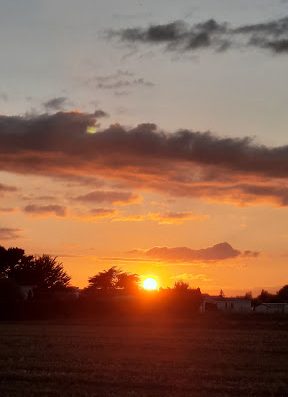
pixel 272 308
pixel 227 305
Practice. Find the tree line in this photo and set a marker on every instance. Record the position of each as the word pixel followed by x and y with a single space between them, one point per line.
pixel 111 290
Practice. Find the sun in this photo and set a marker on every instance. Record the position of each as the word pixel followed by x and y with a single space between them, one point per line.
pixel 150 284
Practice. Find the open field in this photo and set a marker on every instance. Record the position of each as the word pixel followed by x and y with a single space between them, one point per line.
pixel 40 359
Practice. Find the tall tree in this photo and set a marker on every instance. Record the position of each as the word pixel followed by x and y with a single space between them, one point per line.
pixel 283 293
pixel 11 258
pixel 128 282
pixel 113 279
pixel 105 280
pixel 44 272
pixel 181 286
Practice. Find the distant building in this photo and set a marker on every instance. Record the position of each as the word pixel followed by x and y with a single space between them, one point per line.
pixel 271 308
pixel 228 305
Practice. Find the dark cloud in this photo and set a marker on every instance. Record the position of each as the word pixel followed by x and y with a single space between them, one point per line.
pixel 217 252
pixel 7 233
pixel 108 196
pixel 56 104
pixel 34 209
pixel 121 80
pixel 271 35
pixel 99 113
pixel 184 163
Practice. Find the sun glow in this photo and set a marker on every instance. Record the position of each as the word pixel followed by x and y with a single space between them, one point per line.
pixel 150 284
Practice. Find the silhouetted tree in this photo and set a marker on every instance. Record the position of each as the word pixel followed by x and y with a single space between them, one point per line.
pixel 9 290
pixel 105 280
pixel 11 258
pixel 113 279
pixel 128 282
pixel 248 295
pixel 265 296
pixel 282 294
pixel 44 272
pixel 181 286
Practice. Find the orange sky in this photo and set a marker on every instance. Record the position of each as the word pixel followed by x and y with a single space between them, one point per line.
pixel 129 138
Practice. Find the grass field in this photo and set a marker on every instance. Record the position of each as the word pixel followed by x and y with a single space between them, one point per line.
pixel 41 359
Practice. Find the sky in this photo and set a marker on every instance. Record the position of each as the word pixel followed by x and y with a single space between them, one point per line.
pixel 149 135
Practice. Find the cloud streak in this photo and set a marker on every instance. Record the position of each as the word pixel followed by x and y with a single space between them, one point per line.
pixel 217 252
pixel 108 196
pixel 45 210
pixel 210 34
pixel 7 189
pixel 7 233
pixel 121 80
pixel 56 104
pixel 184 163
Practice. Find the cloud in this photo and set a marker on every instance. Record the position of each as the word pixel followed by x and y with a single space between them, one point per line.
pixel 176 217
pixel 185 163
pixel 95 214
pixel 5 210
pixel 168 218
pixel 57 210
pixel 210 34
pixel 102 212
pixel 121 80
pixel 7 233
pixel 7 188
pixel 218 252
pixel 108 196
pixel 191 277
pixel 56 104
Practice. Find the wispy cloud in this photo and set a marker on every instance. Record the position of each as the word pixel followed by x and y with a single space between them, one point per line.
pixel 108 196
pixel 56 104
pixel 184 163
pixel 217 252
pixel 7 233
pixel 168 218
pixel 210 34
pixel 121 81
pixel 44 210
pixel 191 277
pixel 7 188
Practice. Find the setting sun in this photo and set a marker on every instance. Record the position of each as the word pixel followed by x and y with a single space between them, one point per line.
pixel 150 284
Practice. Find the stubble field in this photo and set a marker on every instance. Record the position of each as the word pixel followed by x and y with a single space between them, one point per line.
pixel 41 359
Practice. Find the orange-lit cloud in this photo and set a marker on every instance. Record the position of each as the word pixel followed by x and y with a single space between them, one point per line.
pixel 45 210
pixel 7 233
pixel 168 218
pixel 108 196
pixel 7 188
pixel 191 277
pixel 184 163
pixel 217 252
pixel 7 210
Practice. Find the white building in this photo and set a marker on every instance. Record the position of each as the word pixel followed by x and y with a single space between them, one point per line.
pixel 281 308
pixel 228 305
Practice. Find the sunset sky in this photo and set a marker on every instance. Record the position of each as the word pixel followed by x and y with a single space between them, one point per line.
pixel 150 135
